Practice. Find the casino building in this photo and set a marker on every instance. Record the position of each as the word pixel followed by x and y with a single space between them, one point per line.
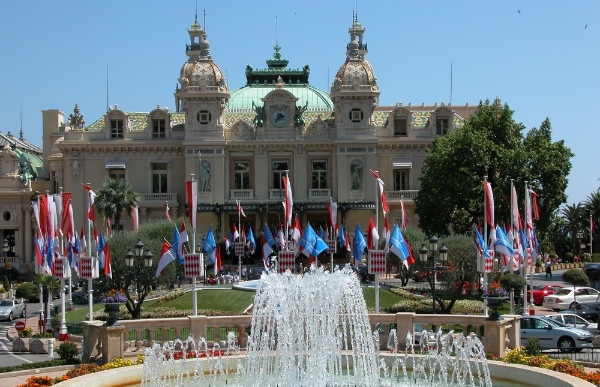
pixel 239 143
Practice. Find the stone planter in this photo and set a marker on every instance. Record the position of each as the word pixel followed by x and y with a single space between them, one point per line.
pixel 39 345
pixel 20 344
pixel 112 309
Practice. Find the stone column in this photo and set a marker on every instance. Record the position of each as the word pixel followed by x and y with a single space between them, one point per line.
pixel 198 326
pixel 112 342
pixel 404 323
pixel 27 234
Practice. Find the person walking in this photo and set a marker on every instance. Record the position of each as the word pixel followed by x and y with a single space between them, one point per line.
pixel 548 268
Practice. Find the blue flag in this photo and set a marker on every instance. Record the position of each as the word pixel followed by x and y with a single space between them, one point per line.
pixel 175 244
pixel 398 244
pixel 341 237
pixel 503 245
pixel 251 243
pixel 481 245
pixel 210 246
pixel 310 243
pixel 359 243
pixel 268 236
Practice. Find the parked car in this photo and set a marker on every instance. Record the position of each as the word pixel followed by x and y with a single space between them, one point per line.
pixel 588 310
pixel 423 275
pixel 79 298
pixel 11 308
pixel 552 334
pixel 575 321
pixel 566 298
pixel 541 291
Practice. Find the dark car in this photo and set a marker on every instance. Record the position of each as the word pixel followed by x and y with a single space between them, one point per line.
pixel 423 275
pixel 588 310
pixel 79 298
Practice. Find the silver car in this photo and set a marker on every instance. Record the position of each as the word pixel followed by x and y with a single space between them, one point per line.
pixel 552 334
pixel 11 308
pixel 574 321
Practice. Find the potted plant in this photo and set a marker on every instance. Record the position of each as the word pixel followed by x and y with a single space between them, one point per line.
pixel 495 294
pixel 112 300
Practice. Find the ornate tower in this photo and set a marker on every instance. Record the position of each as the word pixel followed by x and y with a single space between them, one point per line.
pixel 354 91
pixel 201 92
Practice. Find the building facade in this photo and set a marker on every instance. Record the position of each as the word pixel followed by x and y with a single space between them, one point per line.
pixel 238 144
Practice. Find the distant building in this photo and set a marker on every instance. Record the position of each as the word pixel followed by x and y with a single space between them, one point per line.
pixel 238 144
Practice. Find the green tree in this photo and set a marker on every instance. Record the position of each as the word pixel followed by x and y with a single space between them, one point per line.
pixel 489 144
pixel 576 277
pixel 592 205
pixel 462 263
pixel 115 196
pixel 573 223
pixel 138 282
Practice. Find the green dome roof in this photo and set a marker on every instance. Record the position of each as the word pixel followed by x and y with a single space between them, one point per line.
pixel 242 98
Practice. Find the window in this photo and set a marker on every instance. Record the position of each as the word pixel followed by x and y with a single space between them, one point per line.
pixel 400 126
pixel 158 129
pixel 241 172
pixel 159 177
pixel 116 128
pixel 441 126
pixel 319 174
pixel 203 117
pixel 279 170
pixel 356 115
pixel 116 174
pixel 401 179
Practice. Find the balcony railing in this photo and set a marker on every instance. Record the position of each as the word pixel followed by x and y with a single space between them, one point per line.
pixel 242 194
pixel 277 194
pixel 157 199
pixel 319 193
pixel 407 194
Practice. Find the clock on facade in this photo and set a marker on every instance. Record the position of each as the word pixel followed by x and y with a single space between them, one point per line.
pixel 280 117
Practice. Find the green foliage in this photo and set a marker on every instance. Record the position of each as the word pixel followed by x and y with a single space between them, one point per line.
pixel 490 144
pixel 5 282
pixel 115 197
pixel 27 291
pixel 532 346
pixel 568 257
pixel 538 262
pixel 43 364
pixel 576 277
pixel 67 350
pixel 512 282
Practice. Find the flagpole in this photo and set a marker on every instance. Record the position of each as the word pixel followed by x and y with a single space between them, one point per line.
pixel 194 288
pixel 485 282
pixel 376 247
pixel 239 241
pixel 591 231
pixel 287 183
pixel 532 257
pixel 526 252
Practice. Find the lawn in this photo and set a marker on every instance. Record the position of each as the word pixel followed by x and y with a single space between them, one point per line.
pixel 229 300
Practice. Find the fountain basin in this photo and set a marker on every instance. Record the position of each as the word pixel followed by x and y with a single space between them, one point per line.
pixel 512 373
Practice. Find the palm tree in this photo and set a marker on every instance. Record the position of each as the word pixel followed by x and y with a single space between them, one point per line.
pixel 115 196
pixel 592 205
pixel 573 217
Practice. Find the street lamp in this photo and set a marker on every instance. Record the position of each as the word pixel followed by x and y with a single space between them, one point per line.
pixel 443 256
pixel 7 262
pixel 135 261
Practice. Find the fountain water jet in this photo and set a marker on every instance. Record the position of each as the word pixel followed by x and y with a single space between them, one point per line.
pixel 314 330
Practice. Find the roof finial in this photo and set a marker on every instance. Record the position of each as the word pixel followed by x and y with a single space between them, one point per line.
pixel 276 37
pixel 204 20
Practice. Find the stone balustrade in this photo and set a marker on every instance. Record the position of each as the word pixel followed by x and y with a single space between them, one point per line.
pixel 131 337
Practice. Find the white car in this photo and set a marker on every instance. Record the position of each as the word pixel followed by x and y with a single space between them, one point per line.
pixel 565 298
pixel 573 320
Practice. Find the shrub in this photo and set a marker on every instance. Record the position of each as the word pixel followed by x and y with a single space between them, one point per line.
pixel 513 282
pixel 532 346
pixel 5 283
pixel 568 257
pixel 576 277
pixel 2 290
pixel 27 291
pixel 83 369
pixel 67 350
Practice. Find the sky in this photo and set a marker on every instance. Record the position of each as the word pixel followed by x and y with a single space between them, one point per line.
pixel 542 58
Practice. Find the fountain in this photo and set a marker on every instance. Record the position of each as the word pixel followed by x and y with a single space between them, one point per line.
pixel 313 330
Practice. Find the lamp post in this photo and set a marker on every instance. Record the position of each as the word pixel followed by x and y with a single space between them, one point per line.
pixel 581 244
pixel 423 256
pixel 7 264
pixel 135 261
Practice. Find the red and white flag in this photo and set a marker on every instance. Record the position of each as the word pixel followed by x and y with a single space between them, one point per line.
pixel 489 204
pixel 534 205
pixel 91 197
pixel 239 208
pixel 191 191
pixel 296 230
pixel 332 208
pixel 516 217
pixel 403 222
pixel 167 210
pixel 135 217
pixel 384 205
pixel 386 231
pixel 183 238
pixel 372 236
pixel 288 204
pixel 236 233
pixel 266 250
pixel 66 224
